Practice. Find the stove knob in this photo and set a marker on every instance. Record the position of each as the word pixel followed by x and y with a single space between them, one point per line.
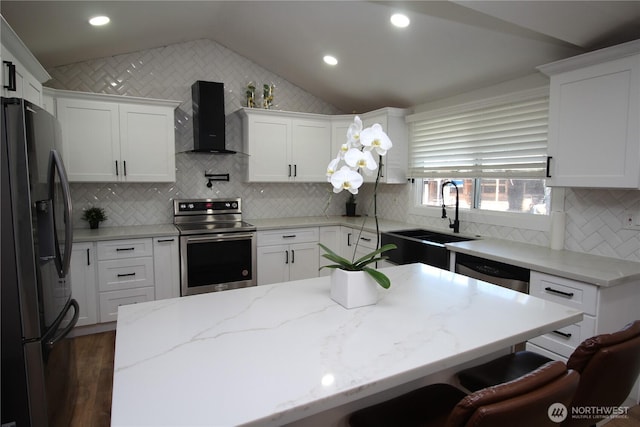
pixel 234 205
pixel 191 206
pixel 183 206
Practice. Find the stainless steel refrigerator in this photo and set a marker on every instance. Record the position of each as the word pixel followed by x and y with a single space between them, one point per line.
pixel 37 312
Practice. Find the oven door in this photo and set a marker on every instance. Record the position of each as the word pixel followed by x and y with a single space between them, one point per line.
pixel 217 262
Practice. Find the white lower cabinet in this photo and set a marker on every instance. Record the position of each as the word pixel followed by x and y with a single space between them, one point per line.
pixel 330 237
pixel 83 282
pixel 288 254
pixel 166 267
pixel 110 273
pixel 606 309
pixel 125 275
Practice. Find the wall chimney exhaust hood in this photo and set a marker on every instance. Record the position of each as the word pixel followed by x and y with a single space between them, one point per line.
pixel 208 118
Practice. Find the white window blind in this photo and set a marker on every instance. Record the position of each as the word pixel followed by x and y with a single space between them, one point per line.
pixel 502 138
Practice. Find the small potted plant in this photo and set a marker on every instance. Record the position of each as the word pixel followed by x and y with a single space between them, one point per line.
pixel 351 205
pixel 94 216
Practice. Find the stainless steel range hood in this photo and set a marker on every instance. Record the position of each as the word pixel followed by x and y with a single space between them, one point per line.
pixel 208 118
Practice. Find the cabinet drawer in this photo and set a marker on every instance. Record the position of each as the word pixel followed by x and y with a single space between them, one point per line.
pixel 110 301
pixel 119 249
pixel 288 236
pixel 365 239
pixel 565 340
pixel 579 295
pixel 125 273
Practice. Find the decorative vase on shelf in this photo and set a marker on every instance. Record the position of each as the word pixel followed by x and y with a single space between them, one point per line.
pixel 353 289
pixel 94 224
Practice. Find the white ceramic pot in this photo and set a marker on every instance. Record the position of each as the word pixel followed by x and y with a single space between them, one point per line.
pixel 353 288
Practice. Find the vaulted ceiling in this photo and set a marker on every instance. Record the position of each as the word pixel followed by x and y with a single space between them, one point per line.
pixel 450 46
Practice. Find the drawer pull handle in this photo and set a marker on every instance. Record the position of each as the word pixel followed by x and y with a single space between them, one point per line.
pixel 555 291
pixel 124 249
pixel 286 259
pixel 562 334
pixel 126 274
pixel 288 236
pixel 88 256
pixel 365 239
pixel 165 240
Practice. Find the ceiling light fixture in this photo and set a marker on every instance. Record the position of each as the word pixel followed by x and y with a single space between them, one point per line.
pixel 331 60
pixel 97 21
pixel 400 20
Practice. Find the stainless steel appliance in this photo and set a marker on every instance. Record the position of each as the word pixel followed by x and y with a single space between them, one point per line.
pixel 38 370
pixel 217 248
pixel 498 273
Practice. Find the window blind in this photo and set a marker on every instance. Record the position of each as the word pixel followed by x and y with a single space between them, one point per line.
pixel 501 138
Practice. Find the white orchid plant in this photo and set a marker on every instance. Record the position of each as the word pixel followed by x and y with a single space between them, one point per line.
pixel 344 173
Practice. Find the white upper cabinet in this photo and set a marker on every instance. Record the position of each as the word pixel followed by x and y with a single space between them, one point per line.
pixel 109 138
pixel 594 119
pixel 21 73
pixel 392 120
pixel 286 147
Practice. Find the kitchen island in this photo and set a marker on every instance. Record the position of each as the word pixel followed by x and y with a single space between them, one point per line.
pixel 275 354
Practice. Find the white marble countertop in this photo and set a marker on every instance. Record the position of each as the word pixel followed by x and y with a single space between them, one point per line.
pixel 128 232
pixel 598 270
pixel 273 354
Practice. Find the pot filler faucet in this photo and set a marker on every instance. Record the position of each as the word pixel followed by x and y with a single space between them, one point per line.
pixel 456 222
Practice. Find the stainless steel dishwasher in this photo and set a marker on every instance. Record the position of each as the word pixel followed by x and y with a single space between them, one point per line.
pixel 498 273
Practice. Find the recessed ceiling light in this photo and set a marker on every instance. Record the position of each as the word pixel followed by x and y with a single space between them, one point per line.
pixel 400 20
pixel 97 21
pixel 331 60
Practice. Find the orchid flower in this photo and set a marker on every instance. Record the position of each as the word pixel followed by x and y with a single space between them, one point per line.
pixel 331 169
pixel 361 160
pixel 346 179
pixel 353 133
pixel 374 138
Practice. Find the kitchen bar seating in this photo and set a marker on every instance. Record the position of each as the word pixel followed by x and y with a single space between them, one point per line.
pixel 523 402
pixel 608 365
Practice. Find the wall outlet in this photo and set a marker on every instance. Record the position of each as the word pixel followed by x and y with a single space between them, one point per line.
pixel 631 220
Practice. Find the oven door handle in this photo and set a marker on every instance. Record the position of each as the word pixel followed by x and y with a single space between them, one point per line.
pixel 220 237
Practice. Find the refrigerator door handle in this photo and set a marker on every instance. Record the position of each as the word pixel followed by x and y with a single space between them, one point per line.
pixel 55 163
pixel 51 342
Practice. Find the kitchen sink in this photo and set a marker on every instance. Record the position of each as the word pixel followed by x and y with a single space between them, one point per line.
pixel 418 245
pixel 430 236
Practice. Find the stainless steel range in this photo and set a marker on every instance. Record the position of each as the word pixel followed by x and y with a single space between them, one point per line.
pixel 217 248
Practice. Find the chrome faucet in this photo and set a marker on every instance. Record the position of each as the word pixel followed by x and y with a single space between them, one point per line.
pixel 456 222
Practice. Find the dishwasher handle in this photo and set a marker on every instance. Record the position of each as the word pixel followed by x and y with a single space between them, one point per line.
pixel 496 277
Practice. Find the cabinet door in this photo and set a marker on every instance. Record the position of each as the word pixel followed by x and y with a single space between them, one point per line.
pixel 339 127
pixel 311 149
pixel 90 140
pixel 147 143
pixel 273 264
pixel 303 261
pixel 331 238
pixel 166 267
pixel 269 144
pixel 83 282
pixel 594 138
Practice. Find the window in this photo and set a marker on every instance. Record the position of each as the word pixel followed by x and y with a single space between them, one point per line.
pixel 494 151
pixel 492 194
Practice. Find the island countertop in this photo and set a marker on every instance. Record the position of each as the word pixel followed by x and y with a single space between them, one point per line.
pixel 274 354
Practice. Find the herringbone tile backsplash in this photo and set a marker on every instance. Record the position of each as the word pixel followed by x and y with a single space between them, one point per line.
pixel 594 217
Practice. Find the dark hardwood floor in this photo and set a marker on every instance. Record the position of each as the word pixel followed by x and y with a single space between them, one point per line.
pixel 94 358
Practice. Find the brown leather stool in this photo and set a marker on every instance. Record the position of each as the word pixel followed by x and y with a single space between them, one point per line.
pixel 523 402
pixel 608 365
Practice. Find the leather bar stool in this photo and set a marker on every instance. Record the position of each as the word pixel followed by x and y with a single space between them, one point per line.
pixel 523 402
pixel 608 365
